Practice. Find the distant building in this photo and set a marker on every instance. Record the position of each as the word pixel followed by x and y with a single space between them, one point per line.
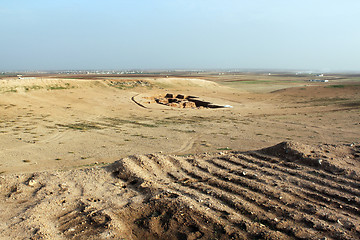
pixel 318 80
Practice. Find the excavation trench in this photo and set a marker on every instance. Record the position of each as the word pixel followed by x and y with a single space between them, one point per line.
pixel 183 101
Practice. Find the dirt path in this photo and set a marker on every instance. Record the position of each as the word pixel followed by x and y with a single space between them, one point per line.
pixel 186 146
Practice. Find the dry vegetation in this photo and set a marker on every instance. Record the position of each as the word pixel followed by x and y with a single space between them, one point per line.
pixel 195 173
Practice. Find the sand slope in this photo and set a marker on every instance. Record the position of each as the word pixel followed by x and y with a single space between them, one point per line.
pixel 288 191
pixel 54 128
pixel 52 123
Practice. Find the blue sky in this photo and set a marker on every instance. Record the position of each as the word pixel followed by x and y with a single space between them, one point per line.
pixel 319 35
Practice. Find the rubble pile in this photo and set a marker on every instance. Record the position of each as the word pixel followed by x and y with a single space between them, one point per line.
pixel 182 101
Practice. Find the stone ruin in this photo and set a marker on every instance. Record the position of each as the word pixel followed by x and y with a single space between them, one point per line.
pixel 182 101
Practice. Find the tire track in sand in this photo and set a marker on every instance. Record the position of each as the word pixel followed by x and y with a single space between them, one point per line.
pixel 253 195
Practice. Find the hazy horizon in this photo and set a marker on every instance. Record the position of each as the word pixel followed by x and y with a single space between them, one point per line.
pixel 87 35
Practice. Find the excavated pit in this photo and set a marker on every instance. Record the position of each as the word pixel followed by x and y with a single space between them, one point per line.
pixel 183 101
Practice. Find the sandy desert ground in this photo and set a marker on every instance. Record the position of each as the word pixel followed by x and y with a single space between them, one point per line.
pixel 96 157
